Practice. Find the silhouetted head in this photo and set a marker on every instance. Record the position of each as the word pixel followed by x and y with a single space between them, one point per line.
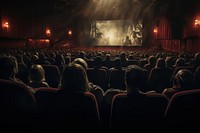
pixel 118 63
pixel 74 78
pixel 180 62
pixel 197 56
pixel 169 62
pixel 67 60
pixel 8 67
pixel 152 60
pixel 134 78
pixel 183 80
pixel 37 73
pixel 59 60
pixel 82 54
pixel 81 62
pixel 160 63
pixel 98 61
pixel 107 57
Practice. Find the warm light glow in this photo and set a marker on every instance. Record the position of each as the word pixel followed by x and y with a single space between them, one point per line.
pixel 48 32
pixel 47 40
pixel 197 23
pixel 155 30
pixel 5 25
pixel 70 32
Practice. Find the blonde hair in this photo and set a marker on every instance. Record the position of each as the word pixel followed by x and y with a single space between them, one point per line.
pixel 74 78
pixel 37 73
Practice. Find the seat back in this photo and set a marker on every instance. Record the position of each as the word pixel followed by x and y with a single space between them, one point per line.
pixel 17 105
pixel 98 77
pixel 132 62
pixel 145 112
pixel 197 77
pixel 52 75
pixel 159 79
pixel 117 79
pixel 184 108
pixel 64 110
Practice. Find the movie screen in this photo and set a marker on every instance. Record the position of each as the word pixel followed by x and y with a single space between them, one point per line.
pixel 117 33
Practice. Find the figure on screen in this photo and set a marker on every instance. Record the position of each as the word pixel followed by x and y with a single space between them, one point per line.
pixel 127 41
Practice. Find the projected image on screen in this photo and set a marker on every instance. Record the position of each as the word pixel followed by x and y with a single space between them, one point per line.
pixel 117 33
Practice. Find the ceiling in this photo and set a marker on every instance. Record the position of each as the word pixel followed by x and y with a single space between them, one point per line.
pixel 94 9
pixel 80 7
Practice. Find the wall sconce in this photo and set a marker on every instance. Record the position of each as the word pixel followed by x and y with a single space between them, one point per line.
pixel 197 23
pixel 69 32
pixel 155 30
pixel 5 25
pixel 48 32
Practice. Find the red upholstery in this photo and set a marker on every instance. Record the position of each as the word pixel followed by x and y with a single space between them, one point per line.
pixel 184 108
pixel 17 106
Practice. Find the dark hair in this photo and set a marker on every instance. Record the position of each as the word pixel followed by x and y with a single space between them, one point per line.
pixel 160 63
pixel 118 63
pixel 74 78
pixel 183 80
pixel 134 76
pixel 8 67
pixel 152 60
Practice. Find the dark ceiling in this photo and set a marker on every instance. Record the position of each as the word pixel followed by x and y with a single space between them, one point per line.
pixel 81 7
pixel 94 9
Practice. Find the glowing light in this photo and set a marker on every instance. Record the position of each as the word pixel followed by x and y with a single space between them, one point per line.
pixel 197 23
pixel 69 32
pixel 48 32
pixel 155 30
pixel 47 40
pixel 5 25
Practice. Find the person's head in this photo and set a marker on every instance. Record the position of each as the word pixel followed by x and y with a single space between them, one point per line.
pixel 8 67
pixel 197 56
pixel 169 62
pixel 183 80
pixel 118 63
pixel 37 73
pixel 82 54
pixel 98 61
pixel 59 60
pixel 107 57
pixel 35 57
pixel 134 78
pixel 160 63
pixel 67 60
pixel 123 55
pixel 180 62
pixel 81 62
pixel 152 60
pixel 74 78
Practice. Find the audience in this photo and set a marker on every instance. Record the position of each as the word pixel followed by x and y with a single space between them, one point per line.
pixel 132 106
pixel 143 110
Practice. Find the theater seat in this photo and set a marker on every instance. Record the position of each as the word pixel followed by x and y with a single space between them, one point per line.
pixel 143 113
pixel 183 111
pixel 61 111
pixel 17 105
pixel 52 75
pixel 98 77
